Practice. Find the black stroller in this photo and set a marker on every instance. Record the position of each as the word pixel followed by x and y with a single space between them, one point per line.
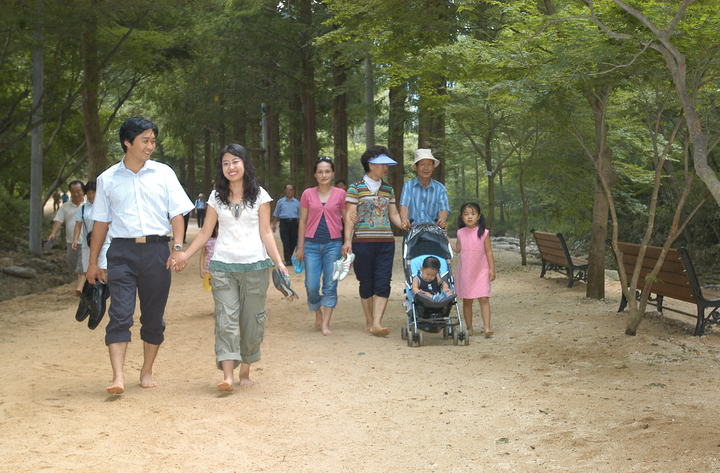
pixel 423 313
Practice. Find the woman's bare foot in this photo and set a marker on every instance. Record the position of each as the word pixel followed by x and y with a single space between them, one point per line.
pixel 118 387
pixel 226 386
pixel 147 381
pixel 326 331
pixel 245 375
pixel 318 319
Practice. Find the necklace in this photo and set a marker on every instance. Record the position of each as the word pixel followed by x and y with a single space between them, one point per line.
pixel 237 210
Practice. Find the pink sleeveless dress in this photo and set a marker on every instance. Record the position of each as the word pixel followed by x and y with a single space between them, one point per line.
pixel 472 279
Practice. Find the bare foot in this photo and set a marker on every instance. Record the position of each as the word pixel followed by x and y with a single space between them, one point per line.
pixel 367 329
pixel 326 331
pixel 380 332
pixel 245 375
pixel 488 333
pixel 225 386
pixel 469 331
pixel 147 381
pixel 118 387
pixel 318 320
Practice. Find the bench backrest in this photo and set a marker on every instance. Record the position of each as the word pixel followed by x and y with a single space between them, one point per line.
pixel 671 280
pixel 551 247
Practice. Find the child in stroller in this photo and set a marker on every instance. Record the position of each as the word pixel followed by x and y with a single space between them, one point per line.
pixel 428 282
pixel 426 255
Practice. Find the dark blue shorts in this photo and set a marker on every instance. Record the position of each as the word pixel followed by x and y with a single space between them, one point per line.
pixel 373 267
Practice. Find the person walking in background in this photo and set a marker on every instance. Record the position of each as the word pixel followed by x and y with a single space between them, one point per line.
pixel 57 200
pixel 371 203
pixel 476 265
pixel 66 216
pixel 83 232
pixel 423 199
pixel 320 239
pixel 200 208
pixel 145 202
pixel 287 211
pixel 244 251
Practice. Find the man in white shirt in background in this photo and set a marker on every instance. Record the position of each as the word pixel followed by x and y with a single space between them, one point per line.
pixel 145 202
pixel 66 215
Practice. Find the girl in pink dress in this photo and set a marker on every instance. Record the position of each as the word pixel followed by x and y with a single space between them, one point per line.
pixel 476 265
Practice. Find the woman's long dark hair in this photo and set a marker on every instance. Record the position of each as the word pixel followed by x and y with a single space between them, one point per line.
pixel 481 221
pixel 251 188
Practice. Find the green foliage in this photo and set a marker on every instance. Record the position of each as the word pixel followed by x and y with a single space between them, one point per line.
pixel 14 213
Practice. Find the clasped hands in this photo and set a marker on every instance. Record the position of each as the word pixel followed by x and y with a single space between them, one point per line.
pixel 177 261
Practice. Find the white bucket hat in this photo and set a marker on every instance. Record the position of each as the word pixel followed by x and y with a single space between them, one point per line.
pixel 421 154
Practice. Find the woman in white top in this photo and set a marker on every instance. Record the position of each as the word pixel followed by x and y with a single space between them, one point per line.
pixel 244 251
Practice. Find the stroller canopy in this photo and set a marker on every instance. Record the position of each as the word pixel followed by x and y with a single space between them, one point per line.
pixel 427 239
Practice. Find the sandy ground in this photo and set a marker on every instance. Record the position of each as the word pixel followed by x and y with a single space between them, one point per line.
pixel 558 388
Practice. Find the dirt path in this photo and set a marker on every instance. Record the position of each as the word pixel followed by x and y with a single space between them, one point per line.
pixel 558 388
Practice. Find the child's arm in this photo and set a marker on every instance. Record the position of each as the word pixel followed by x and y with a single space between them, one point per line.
pixel 441 284
pixel 455 246
pixel 202 261
pixel 490 258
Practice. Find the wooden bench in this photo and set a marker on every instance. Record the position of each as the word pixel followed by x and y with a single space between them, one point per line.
pixel 555 255
pixel 676 279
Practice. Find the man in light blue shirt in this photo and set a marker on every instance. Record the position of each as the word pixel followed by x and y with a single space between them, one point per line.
pixel 287 211
pixel 423 199
pixel 200 209
pixel 145 202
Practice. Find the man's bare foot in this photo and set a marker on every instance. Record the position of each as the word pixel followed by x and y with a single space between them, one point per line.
pixel 226 386
pixel 326 331
pixel 380 332
pixel 118 387
pixel 367 329
pixel 147 381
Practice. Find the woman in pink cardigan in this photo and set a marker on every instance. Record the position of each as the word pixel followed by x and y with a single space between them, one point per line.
pixel 320 239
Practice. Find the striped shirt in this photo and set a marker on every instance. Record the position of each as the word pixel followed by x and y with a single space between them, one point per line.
pixel 424 203
pixel 139 204
pixel 373 211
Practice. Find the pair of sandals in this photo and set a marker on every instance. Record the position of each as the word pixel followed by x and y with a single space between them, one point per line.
pixel 92 304
pixel 282 284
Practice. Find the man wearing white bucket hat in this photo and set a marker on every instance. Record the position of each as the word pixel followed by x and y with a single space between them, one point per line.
pixel 424 199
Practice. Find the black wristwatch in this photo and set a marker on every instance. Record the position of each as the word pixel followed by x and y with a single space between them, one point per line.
pixel 177 247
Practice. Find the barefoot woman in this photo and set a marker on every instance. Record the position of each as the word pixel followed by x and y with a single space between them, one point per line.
pixel 371 203
pixel 240 263
pixel 320 238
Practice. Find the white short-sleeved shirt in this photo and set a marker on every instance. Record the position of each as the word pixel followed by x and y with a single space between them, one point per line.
pixel 84 215
pixel 139 204
pixel 66 214
pixel 239 241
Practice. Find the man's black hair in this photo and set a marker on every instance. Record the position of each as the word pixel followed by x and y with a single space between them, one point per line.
pixel 134 127
pixel 72 183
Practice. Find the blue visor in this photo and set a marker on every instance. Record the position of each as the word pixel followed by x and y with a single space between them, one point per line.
pixel 383 159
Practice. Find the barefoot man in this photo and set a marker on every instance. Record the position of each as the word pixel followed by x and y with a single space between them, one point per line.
pixel 145 202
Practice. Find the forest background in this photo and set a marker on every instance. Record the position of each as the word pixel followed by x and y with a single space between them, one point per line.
pixel 565 116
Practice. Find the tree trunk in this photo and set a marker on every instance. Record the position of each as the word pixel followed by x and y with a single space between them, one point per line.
pixel 97 151
pixel 36 139
pixel 295 134
pixel 490 215
pixel 310 146
pixel 340 122
pixel 207 183
pixel 369 102
pixel 396 136
pixel 598 99
pixel 191 169
pixel 273 138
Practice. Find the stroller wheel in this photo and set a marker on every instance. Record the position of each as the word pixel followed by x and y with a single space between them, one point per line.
pixel 421 340
pixel 403 333
pixel 445 333
pixel 455 337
